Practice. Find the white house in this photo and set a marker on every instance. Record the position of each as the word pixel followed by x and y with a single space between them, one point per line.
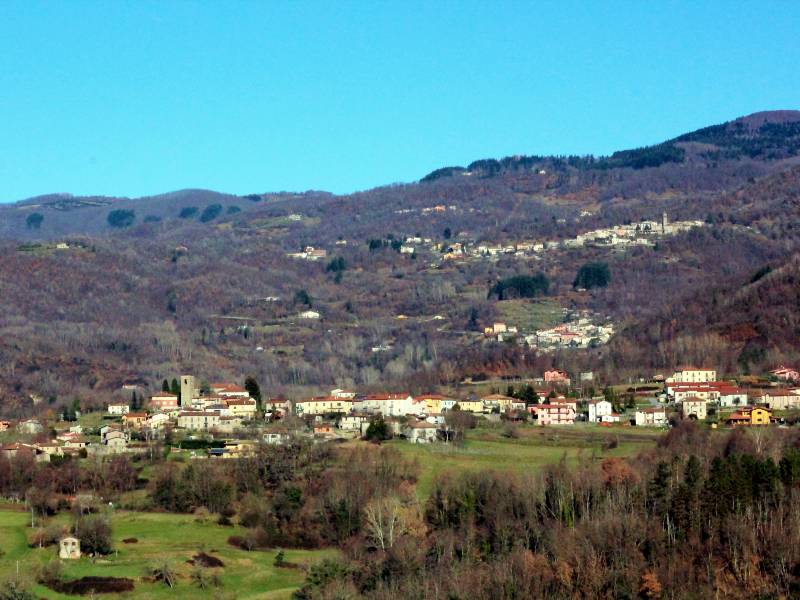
pixel 693 375
pixel 730 397
pixel 156 421
pixel 651 417
pixel 389 405
pixel 694 408
pixel 309 314
pixel 118 408
pixel 198 419
pixel 420 432
pixel 598 409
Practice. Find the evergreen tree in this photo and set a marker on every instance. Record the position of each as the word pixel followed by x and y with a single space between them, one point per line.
pixel 165 386
pixel 528 395
pixel 252 387
pixel 176 389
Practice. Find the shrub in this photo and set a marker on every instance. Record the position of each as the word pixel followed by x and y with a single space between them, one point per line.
pixel 377 430
pixel 94 532
pixel 521 286
pixel 187 212
pixel 14 589
pixel 121 218
pixel 34 220
pixel 164 572
pixel 210 212
pixel 49 573
pixel 591 275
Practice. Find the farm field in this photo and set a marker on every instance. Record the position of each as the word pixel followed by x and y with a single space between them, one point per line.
pixel 161 537
pixel 530 315
pixel 536 447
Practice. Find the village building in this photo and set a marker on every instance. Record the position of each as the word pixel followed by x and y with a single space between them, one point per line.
pixel 134 420
pixel 323 405
pixel 13 450
pixel 599 409
pixel 30 427
pixel 694 408
pixel 693 375
pixel 50 448
pixel 228 390
pixel 553 414
pixel 229 423
pixel 389 405
pixel 276 436
pixel 498 401
pixel 750 416
pixel 420 432
pixel 611 418
pixel 118 408
pixel 786 373
pixel 276 408
pixel 474 405
pixel 69 548
pixel 556 377
pixel 156 421
pixel 115 441
pixel 778 399
pixel 77 442
pixel 198 420
pixel 651 417
pixel 732 396
pixel 164 401
pixel 434 403
pixel 189 389
pixel 353 421
pixel 241 407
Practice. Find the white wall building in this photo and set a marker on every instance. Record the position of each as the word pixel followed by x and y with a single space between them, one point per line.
pixel 599 409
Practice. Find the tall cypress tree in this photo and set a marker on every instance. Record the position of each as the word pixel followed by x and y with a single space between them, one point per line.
pixel 176 389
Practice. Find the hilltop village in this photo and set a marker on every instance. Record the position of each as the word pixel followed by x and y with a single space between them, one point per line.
pixel 230 419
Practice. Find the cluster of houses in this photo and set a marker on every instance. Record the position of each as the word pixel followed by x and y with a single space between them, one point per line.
pixel 579 330
pixel 222 407
pixel 309 253
pixel 225 408
pixel 642 233
pixel 694 390
pixel 633 234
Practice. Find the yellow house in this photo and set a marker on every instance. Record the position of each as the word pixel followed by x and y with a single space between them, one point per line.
pixel 760 416
pixel 324 405
pixel 473 406
pixel 504 402
pixel 435 403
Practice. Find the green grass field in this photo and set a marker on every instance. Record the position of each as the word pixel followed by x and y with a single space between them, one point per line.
pixel 530 315
pixel 174 538
pixel 252 575
pixel 536 447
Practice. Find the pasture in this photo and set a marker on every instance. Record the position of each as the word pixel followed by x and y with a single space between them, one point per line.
pixel 160 537
pixel 488 448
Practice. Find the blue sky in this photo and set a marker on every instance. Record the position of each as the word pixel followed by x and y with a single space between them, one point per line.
pixel 137 98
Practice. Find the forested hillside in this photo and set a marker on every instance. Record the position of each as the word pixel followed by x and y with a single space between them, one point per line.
pixel 97 292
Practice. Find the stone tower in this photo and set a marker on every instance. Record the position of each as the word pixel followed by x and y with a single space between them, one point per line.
pixel 664 222
pixel 188 389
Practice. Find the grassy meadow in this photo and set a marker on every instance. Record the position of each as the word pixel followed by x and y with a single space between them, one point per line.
pixel 161 537
pixel 252 575
pixel 534 448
